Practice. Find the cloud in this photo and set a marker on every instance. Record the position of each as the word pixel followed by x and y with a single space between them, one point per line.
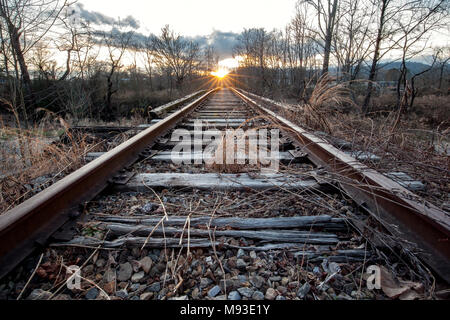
pixel 223 42
pixel 98 18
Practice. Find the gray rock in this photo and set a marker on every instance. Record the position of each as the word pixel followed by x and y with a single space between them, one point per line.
pixel 123 294
pixel 281 289
pixel 88 269
pixel 149 208
pixel 209 260
pixel 333 267
pixel 280 298
pixel 358 295
pixel 204 282
pixel 316 271
pixel 271 294
pixel 257 281
pixel 63 297
pixel 135 287
pixel 303 291
pixel 258 295
pixel 246 292
pixel 240 254
pixel 39 294
pixel 138 276
pixel 100 263
pixel 155 287
pixel 92 294
pixel 221 298
pixel 109 275
pixel 196 293
pixel 234 295
pixel 136 252
pixel 214 291
pixel 325 265
pixel 182 298
pixel 230 284
pixel 275 279
pixel 146 296
pixel 146 264
pixel 324 287
pixel 253 255
pixel 135 298
pixel 344 296
pixel 194 264
pixel 125 272
pixel 241 264
pixel 162 293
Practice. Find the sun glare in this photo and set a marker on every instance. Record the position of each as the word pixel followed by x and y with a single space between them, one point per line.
pixel 221 73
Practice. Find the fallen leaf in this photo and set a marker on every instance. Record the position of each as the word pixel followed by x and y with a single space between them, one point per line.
pixel 410 295
pixel 404 290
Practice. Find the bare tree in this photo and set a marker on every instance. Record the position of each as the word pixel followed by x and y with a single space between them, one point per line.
pixel 175 54
pixel 351 42
pixel 415 25
pixel 210 59
pixel 116 43
pixel 327 20
pixel 442 57
pixel 27 22
pixel 254 47
pixel 400 24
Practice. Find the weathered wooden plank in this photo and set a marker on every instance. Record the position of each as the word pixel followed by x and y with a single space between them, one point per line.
pixel 313 256
pixel 167 156
pixel 234 125
pixel 217 116
pixel 218 120
pixel 186 157
pixel 220 113
pixel 235 223
pixel 214 181
pixel 290 236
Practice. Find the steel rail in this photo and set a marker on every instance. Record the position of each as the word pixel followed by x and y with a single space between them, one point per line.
pixel 36 219
pixel 174 104
pixel 417 220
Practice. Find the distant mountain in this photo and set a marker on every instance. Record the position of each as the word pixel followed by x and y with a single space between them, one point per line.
pixel 413 67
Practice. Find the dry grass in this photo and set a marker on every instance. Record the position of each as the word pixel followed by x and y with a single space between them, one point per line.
pixel 245 159
pixel 417 144
pixel 326 98
pixel 27 155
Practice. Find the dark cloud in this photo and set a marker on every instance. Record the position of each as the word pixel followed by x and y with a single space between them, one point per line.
pixel 223 42
pixel 98 18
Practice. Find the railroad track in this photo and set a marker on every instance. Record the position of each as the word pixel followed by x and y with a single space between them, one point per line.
pixel 146 222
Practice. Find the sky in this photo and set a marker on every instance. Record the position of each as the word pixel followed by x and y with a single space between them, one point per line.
pixel 199 17
pixel 216 22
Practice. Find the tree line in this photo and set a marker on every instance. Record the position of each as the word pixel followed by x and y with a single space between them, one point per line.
pixel 51 60
pixel 352 40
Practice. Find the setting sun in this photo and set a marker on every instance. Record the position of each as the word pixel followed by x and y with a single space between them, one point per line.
pixel 221 73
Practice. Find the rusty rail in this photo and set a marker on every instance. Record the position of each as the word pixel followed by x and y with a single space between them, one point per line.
pixel 35 220
pixel 417 220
